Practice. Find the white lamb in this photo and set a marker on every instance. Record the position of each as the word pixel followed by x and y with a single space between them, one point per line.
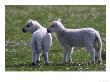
pixel 41 40
pixel 85 37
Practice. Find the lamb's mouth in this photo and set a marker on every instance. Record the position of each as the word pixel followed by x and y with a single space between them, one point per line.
pixel 24 30
pixel 48 31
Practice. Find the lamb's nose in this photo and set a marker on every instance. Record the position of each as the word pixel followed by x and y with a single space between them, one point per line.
pixel 48 31
pixel 24 30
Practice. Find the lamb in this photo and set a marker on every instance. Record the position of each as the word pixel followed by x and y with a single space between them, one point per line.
pixel 41 40
pixel 70 38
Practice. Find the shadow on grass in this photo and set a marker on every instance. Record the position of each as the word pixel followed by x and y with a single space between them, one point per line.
pixel 28 64
pixel 73 66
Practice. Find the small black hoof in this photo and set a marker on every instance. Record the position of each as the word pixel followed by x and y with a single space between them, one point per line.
pixel 64 63
pixel 47 63
pixel 99 62
pixel 92 62
pixel 24 30
pixel 37 61
pixel 33 64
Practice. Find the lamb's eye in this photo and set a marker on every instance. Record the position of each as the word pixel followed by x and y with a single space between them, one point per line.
pixel 28 25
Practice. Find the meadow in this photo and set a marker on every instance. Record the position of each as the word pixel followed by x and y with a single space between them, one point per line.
pixel 17 46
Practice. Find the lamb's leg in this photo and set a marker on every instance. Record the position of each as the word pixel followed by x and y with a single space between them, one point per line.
pixel 89 45
pixel 34 55
pixel 92 54
pixel 98 48
pixel 34 52
pixel 37 57
pixel 66 51
pixel 99 55
pixel 45 53
pixel 36 48
pixel 69 55
pixel 45 47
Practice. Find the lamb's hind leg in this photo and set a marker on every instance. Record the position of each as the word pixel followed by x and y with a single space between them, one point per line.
pixel 99 56
pixel 92 54
pixel 98 52
pixel 35 51
pixel 98 48
pixel 35 57
pixel 45 47
pixel 45 53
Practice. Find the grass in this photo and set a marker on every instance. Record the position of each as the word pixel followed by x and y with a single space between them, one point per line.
pixel 18 52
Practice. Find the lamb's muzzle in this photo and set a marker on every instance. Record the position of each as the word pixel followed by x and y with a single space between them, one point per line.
pixel 24 30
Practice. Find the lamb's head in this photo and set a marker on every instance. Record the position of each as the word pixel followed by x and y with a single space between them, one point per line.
pixel 55 26
pixel 31 26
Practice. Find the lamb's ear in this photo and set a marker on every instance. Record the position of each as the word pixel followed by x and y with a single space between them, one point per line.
pixel 30 19
pixel 31 22
pixel 59 20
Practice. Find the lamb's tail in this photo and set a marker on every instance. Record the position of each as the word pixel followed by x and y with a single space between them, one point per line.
pixel 97 42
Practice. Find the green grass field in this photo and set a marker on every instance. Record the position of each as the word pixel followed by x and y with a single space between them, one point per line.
pixel 18 52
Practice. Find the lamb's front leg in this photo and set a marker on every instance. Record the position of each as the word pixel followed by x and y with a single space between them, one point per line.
pixel 66 52
pixel 69 55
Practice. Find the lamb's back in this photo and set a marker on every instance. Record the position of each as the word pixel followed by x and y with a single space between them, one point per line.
pixel 75 37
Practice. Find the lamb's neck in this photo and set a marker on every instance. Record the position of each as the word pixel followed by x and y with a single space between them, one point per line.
pixel 35 29
pixel 61 32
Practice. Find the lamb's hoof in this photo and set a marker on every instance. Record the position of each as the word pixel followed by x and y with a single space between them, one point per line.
pixel 33 64
pixel 92 62
pixel 37 61
pixel 63 63
pixel 47 63
pixel 99 62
